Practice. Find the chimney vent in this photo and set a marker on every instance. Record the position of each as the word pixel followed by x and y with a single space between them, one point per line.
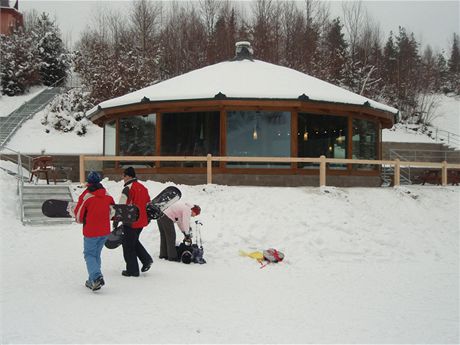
pixel 243 50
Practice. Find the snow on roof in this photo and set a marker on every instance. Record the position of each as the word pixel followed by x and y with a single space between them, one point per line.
pixel 243 79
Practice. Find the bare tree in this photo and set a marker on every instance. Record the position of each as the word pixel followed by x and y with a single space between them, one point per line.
pixel 145 17
pixel 209 11
pixel 317 14
pixel 266 29
pixel 354 17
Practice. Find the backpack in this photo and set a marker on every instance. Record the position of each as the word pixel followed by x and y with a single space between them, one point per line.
pixel 190 253
pixel 273 255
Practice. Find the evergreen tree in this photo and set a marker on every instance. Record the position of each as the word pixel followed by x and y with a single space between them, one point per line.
pixel 51 51
pixel 409 71
pixel 454 66
pixel 390 71
pixel 19 63
pixel 66 112
pixel 334 54
pixel 443 73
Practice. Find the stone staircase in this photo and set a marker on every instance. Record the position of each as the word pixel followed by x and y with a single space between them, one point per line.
pixel 11 123
pixel 33 197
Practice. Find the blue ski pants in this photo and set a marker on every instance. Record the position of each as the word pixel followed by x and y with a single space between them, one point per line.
pixel 92 248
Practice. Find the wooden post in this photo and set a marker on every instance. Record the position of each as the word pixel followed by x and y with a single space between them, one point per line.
pixel 82 169
pixel 322 171
pixel 209 168
pixel 444 173
pixel 397 177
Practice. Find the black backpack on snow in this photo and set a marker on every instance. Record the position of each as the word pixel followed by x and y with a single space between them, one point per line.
pixel 190 253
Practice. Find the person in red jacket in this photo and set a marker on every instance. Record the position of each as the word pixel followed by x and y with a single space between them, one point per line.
pixel 134 193
pixel 93 211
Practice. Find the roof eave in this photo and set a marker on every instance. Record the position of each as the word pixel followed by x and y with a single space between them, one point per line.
pixel 221 100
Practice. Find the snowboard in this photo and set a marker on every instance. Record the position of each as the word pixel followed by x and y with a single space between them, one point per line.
pixel 54 208
pixel 154 208
pixel 162 201
pixel 115 238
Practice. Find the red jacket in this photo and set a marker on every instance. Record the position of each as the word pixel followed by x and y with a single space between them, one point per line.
pixel 93 210
pixel 135 193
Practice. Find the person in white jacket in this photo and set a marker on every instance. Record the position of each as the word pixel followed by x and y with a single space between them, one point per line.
pixel 178 213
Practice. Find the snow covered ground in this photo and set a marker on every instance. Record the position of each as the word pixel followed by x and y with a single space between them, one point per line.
pixel 448 114
pixel 363 265
pixel 31 138
pixel 10 104
pixel 446 118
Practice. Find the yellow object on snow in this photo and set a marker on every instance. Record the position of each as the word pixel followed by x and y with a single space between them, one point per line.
pixel 259 256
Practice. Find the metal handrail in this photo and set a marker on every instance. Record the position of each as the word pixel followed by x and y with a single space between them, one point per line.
pixel 451 138
pixel 407 154
pixel 20 175
pixel 28 109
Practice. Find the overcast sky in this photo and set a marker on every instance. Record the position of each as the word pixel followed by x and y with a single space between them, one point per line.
pixel 432 22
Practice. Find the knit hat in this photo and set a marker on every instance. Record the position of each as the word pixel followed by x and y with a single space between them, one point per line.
pixel 129 172
pixel 196 209
pixel 93 177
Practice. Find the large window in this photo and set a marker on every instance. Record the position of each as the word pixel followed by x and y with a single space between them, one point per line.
pixel 137 138
pixel 190 134
pixel 322 135
pixel 110 142
pixel 258 134
pixel 364 142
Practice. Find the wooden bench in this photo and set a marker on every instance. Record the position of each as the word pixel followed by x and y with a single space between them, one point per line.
pixel 431 176
pixel 435 177
pixel 453 177
pixel 43 165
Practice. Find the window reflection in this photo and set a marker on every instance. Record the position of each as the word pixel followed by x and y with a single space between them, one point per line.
pixel 110 141
pixel 190 134
pixel 258 134
pixel 322 135
pixel 364 142
pixel 137 138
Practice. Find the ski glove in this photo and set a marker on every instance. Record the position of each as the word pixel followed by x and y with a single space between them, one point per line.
pixel 187 239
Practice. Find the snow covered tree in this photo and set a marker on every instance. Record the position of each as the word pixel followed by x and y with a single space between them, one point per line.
pixel 51 51
pixel 66 112
pixel 19 68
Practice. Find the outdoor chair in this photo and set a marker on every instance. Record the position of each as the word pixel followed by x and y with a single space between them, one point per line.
pixel 43 165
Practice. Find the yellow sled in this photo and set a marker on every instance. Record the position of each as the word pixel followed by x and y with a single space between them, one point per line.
pixel 259 256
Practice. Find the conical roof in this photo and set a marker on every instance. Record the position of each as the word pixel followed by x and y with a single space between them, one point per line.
pixel 243 79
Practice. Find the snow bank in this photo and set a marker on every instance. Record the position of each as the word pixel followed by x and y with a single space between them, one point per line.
pixel 32 138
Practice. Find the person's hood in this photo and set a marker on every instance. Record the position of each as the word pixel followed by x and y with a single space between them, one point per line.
pixel 99 192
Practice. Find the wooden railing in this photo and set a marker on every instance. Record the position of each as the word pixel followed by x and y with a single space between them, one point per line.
pixel 322 160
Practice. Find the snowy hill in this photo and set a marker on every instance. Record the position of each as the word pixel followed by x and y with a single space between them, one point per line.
pixel 363 265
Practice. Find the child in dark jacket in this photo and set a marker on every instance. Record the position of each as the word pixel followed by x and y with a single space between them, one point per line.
pixel 93 211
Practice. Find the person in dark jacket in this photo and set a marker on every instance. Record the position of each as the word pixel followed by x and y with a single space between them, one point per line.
pixel 93 211
pixel 134 193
